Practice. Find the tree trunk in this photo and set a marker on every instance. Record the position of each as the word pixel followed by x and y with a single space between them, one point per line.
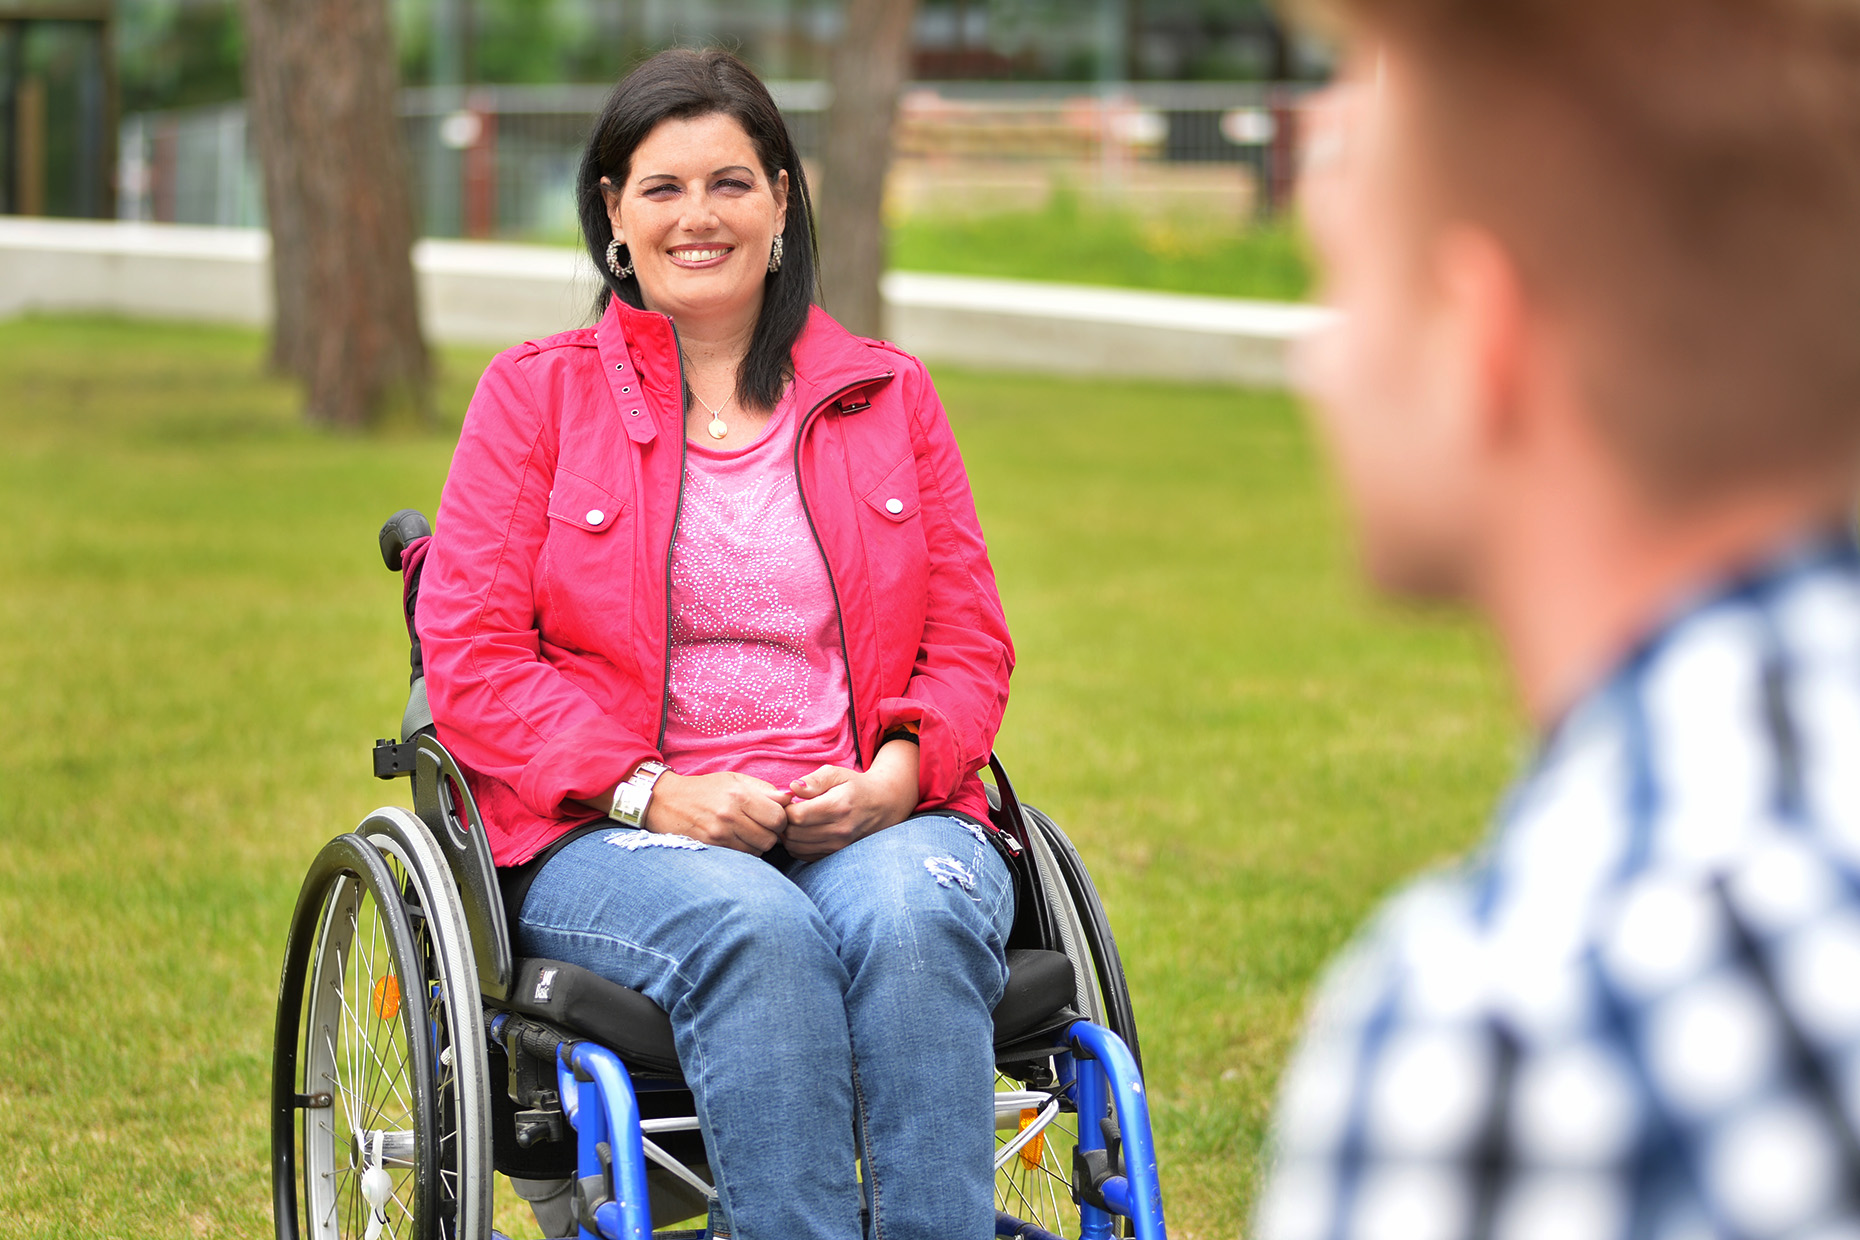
pixel 321 85
pixel 870 66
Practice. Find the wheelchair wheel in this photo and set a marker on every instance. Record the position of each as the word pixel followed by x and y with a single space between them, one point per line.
pixel 353 1106
pixel 454 1019
pixel 1034 1137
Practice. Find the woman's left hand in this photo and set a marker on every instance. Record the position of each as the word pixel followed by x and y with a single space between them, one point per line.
pixel 835 806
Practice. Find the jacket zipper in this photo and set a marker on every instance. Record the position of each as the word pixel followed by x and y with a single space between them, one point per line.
pixel 839 613
pixel 678 512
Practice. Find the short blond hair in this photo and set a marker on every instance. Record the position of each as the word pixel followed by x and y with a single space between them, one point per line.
pixel 1682 179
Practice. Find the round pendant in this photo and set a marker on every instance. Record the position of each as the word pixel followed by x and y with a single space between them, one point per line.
pixel 716 428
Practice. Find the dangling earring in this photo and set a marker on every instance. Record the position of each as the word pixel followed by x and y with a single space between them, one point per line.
pixel 775 255
pixel 613 259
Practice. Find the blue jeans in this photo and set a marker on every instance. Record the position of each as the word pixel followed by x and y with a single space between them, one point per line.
pixel 840 1008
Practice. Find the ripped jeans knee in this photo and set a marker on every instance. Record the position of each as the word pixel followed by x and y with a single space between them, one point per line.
pixel 948 872
pixel 636 838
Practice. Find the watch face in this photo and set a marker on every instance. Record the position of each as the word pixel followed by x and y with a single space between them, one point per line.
pixel 630 801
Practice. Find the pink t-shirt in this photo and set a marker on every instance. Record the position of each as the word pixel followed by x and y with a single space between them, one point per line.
pixel 758 673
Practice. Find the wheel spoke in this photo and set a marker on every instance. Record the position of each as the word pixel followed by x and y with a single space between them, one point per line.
pixel 375 1027
pixel 357 960
pixel 343 1089
pixel 1013 1182
pixel 1051 1197
pixel 354 1044
pixel 388 1087
pixel 384 1085
pixel 335 1199
pixel 364 1042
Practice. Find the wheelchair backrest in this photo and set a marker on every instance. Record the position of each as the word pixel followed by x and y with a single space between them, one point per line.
pixel 441 796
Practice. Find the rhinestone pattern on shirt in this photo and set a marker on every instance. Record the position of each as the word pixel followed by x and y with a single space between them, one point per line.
pixel 739 639
pixel 758 679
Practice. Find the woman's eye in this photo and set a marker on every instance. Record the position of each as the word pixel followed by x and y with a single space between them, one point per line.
pixel 734 185
pixel 662 190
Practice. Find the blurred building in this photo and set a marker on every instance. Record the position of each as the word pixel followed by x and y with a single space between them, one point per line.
pixel 1015 101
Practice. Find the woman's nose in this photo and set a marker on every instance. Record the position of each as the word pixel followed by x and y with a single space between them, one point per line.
pixel 699 215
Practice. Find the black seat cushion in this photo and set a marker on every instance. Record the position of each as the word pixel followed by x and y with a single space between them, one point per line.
pixel 1040 988
pixel 583 1002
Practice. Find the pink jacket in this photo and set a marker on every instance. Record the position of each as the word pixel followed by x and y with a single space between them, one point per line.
pixel 543 608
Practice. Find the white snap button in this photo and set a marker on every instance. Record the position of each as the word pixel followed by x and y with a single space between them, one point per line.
pixel 596 516
pixel 894 506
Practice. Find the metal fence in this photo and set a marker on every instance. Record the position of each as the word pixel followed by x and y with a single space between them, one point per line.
pixel 500 161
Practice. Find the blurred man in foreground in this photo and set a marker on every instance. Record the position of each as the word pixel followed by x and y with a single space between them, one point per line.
pixel 1598 374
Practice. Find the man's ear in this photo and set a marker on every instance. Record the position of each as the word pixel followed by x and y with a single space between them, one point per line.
pixel 1492 324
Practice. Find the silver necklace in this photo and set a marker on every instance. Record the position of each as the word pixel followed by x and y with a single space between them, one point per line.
pixel 717 428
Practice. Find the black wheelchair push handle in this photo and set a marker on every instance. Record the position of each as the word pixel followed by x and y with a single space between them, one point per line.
pixel 402 528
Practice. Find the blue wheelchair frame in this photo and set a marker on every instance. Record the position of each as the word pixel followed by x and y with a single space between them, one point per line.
pixel 599 1102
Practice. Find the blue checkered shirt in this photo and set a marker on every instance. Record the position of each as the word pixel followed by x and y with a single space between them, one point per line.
pixel 1636 1013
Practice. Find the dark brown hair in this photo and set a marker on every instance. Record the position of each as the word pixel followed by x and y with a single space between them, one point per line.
pixel 682 84
pixel 1680 180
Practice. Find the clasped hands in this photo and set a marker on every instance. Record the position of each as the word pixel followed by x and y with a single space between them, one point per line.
pixel 816 815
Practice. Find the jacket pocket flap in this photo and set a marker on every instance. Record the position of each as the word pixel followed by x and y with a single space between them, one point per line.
pixel 896 496
pixel 580 501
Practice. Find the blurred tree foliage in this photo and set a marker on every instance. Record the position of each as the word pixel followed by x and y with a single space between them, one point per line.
pixel 521 41
pixel 177 53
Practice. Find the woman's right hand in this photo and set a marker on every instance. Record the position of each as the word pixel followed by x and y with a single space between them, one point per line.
pixel 726 810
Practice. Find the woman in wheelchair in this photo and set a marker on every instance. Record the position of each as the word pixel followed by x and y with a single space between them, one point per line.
pixel 709 619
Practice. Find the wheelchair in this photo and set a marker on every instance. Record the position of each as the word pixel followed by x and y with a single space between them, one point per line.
pixel 414 1054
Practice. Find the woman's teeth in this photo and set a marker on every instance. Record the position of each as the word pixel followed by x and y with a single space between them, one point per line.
pixel 700 256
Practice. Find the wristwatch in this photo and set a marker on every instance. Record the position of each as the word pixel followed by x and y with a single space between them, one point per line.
pixel 635 793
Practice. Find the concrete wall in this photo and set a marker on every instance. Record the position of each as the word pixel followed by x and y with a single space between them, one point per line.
pixel 488 293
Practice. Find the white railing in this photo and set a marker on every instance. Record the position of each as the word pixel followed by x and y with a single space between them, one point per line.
pixel 494 293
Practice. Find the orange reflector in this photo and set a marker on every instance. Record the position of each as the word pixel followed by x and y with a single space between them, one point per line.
pixel 387 997
pixel 1034 1150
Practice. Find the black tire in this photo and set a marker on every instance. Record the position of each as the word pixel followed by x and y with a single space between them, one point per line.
pixel 352 1066
pixel 1034 1183
pixel 1086 938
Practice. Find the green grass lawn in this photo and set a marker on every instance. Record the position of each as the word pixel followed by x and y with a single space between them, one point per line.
pixel 1079 246
pixel 198 644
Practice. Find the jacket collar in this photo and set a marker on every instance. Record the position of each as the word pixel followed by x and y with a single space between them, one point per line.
pixel 639 355
pixel 831 361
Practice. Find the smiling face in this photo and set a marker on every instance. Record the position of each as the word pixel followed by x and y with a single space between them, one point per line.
pixel 699 219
